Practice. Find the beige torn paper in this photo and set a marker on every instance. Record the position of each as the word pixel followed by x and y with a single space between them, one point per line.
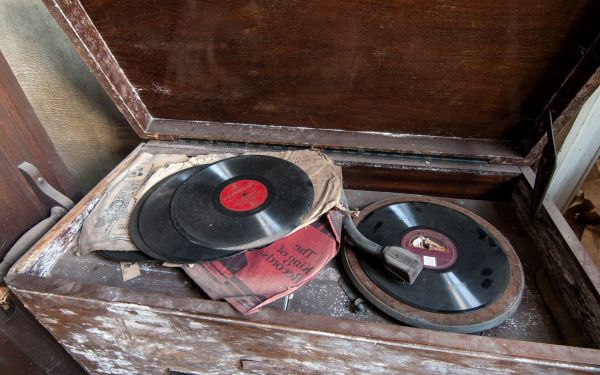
pixel 164 172
pixel 130 270
pixel 107 226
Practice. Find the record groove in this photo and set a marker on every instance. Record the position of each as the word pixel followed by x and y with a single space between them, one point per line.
pixel 153 233
pixel 242 202
pixel 213 211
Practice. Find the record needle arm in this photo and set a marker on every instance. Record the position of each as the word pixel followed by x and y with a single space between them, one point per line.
pixel 401 262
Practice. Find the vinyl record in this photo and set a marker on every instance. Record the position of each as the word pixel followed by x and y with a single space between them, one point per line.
pixel 153 232
pixel 472 279
pixel 125 256
pixel 242 202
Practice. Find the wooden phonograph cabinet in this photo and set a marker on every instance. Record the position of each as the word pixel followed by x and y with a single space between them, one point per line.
pixel 453 99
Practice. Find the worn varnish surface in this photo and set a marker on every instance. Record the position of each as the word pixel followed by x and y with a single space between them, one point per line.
pixel 120 338
pixel 323 295
pixel 388 172
pixel 27 348
pixel 461 79
pixel 573 273
pixel 461 68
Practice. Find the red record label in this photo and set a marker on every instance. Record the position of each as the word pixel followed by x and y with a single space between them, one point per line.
pixel 243 195
pixel 438 251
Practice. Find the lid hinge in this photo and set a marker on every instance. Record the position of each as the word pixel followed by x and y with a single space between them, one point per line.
pixel 546 167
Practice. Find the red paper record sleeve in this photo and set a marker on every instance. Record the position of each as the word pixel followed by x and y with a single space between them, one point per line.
pixel 256 278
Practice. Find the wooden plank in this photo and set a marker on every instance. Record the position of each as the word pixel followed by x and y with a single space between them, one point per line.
pixel 572 271
pixel 578 154
pixel 498 152
pixel 531 322
pixel 388 172
pixel 97 320
pixel 42 256
pixel 27 348
pixel 400 67
pixel 144 333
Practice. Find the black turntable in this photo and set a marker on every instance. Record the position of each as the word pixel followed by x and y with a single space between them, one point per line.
pixel 471 280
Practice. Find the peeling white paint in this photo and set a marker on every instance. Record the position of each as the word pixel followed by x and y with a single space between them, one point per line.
pixel 46 258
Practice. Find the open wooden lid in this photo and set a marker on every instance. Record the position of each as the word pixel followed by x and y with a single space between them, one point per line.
pixel 469 79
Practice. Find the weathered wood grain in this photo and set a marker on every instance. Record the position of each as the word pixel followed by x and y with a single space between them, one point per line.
pixel 570 268
pixel 389 172
pixel 389 74
pixel 435 146
pixel 323 295
pixel 99 318
pixel 43 255
pixel 28 348
pixel 116 337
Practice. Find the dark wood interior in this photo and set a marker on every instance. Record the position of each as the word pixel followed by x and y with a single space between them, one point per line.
pixel 489 195
pixel 287 71
pixel 323 295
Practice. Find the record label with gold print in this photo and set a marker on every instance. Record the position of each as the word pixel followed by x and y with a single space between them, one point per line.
pixel 438 251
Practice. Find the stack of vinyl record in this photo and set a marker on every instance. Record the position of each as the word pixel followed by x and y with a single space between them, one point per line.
pixel 214 211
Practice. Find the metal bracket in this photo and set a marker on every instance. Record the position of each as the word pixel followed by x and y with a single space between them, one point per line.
pixel 545 169
pixel 358 303
pixel 37 231
pixel 43 186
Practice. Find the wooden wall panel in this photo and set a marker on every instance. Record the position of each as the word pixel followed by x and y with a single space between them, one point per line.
pixel 22 138
pixel 25 348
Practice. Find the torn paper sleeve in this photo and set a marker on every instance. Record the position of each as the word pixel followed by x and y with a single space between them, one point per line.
pixel 253 279
pixel 107 226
